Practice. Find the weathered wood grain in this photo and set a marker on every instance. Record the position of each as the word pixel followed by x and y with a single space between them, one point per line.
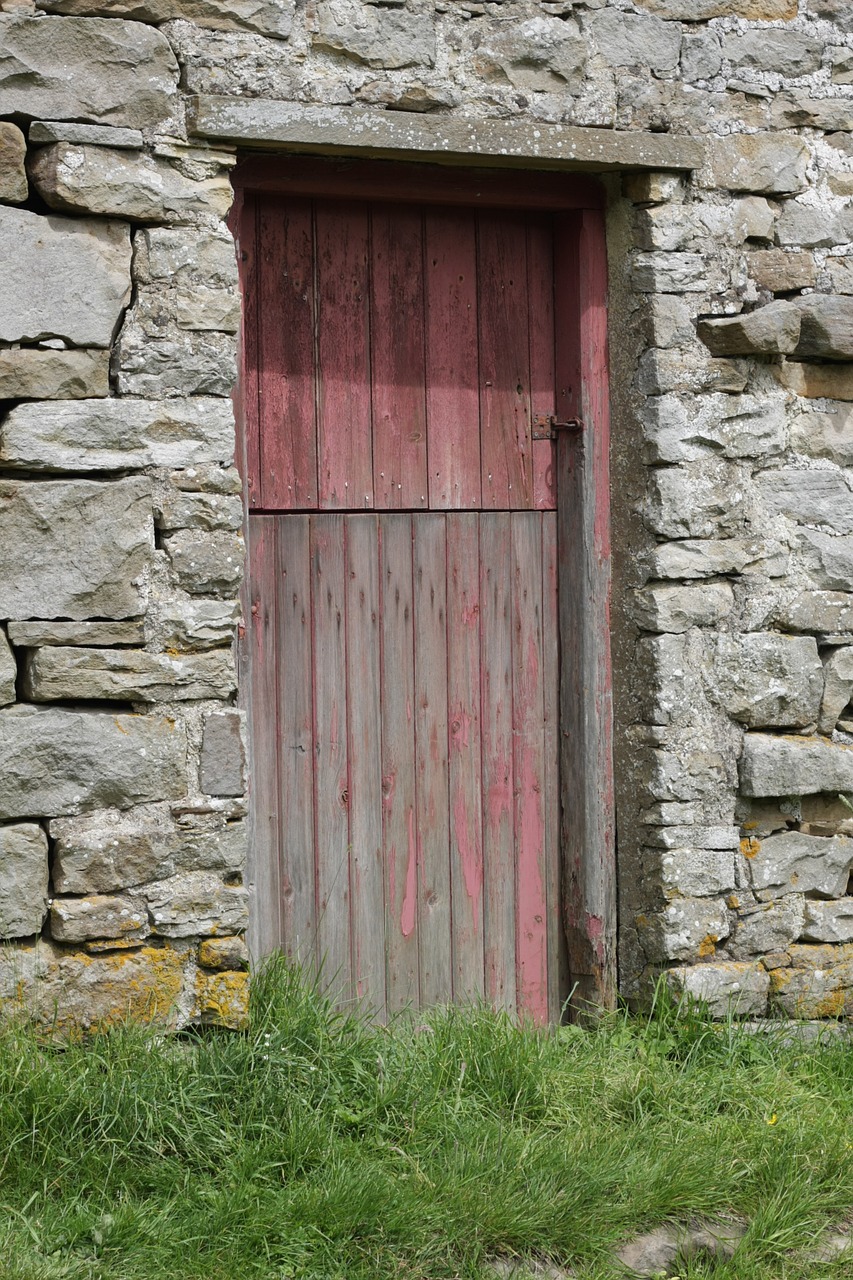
pixel 540 310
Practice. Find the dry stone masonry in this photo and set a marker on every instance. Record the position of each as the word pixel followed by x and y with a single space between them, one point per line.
pixel 124 772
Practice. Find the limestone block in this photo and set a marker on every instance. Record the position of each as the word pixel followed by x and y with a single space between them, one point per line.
pixel 818 984
pixel 816 381
pixel 828 921
pixel 838 687
pixel 195 903
pixel 841 184
pixel 627 40
pixel 201 308
pixel 223 756
pixel 837 11
pixel 767 679
pixel 122 184
pixel 809 496
pixel 678 608
pixel 812 226
pixel 126 675
pixel 696 836
pixel 97 135
pixel 701 57
pixel 766 163
pixel 735 426
pixel 651 188
pixel 74 548
pixel 179 362
pixel 827 327
pixel 222 999
pixel 23 880
pixel 794 766
pixel 662 272
pixel 83 270
pixel 797 110
pixel 176 510
pixel 186 256
pixel 8 671
pixel 544 55
pixel 57 762
pixel 820 611
pixel 787 52
pixel 828 558
pixel 266 17
pixel 112 435
pixel 669 321
pixel 13 175
pixel 98 916
pixel 666 680
pixel 208 479
pixel 661 371
pixel 377 36
pixel 726 987
pixel 206 562
pixel 706 558
pixel 223 953
pixel 842 65
pixel 703 501
pixel 797 863
pixel 103 70
pixel 702 10
pixel 195 624
pixel 770 330
pixel 753 218
pixel 841 274
pixel 686 774
pixel 106 851
pixel 38 373
pixel 825 434
pixel 686 929
pixel 698 873
pixel 94 634
pixel 769 928
pixel 781 271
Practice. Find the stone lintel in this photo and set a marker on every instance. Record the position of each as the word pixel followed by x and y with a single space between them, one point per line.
pixel 254 122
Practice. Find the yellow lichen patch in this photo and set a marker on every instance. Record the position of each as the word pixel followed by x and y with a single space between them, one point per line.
pixel 750 846
pixel 223 998
pixel 751 825
pixel 733 902
pixel 708 945
pixel 81 993
pixel 831 1006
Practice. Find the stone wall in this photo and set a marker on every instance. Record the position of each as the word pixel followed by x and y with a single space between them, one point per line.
pixel 732 385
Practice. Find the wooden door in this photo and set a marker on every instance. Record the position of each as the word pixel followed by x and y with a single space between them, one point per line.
pixel 402 366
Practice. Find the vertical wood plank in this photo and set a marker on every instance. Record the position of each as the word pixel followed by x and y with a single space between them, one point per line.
pixel 331 780
pixel 399 817
pixel 364 726
pixel 288 453
pixel 343 357
pixel 540 309
pixel 453 415
pixel 506 466
pixel 496 720
pixel 263 869
pixel 466 802
pixel 558 984
pixel 528 735
pixel 296 740
pixel 250 276
pixel 434 923
pixel 586 711
pixel 397 357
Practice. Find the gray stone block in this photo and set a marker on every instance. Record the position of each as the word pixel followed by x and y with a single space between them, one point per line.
pixel 769 928
pixel 111 435
pixel 764 163
pixel 827 328
pixel 707 558
pixel 37 373
pixel 13 175
pixel 838 686
pixel 702 10
pixel 96 135
pixel 8 672
pixel 828 558
pixel 122 184
pixel 734 426
pixel 98 69
pixel 206 563
pixel 186 256
pixel 818 983
pixel 194 904
pixel 201 308
pixel 177 362
pixel 74 549
pixel 177 510
pixel 126 675
pixel 816 381
pixel 774 765
pixel 828 921
pixel 57 762
pixel 83 270
pixel 630 40
pixel 704 501
pixel 195 624
pixel 98 916
pixel 766 679
pixel 794 862
pixel 94 634
pixel 726 987
pixel 23 880
pixel 662 272
pixel 770 330
pixel 372 34
pixel 698 873
pixel 782 271
pixel 787 52
pixel 814 226
pixel 543 54
pixel 826 433
pixel 817 611
pixel 223 758
pixel 678 608
pixel 809 496
pixel 685 929
pixel 266 17
pixel 700 56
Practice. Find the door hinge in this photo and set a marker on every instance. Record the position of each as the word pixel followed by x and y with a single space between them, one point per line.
pixel 546 426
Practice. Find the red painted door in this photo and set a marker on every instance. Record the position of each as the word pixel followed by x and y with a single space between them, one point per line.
pixel 403 589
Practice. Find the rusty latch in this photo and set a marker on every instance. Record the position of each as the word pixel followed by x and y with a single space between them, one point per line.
pixel 546 426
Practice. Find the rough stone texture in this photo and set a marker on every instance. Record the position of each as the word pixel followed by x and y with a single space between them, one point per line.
pixel 176 510
pixel 195 624
pixel 825 433
pixel 827 328
pixel 194 904
pixel 267 17
pixel 223 757
pixel 678 608
pixel 126 675
pixel 772 165
pixel 698 502
pixel 698 873
pixel 23 879
pixel 155 362
pixel 821 611
pixel 120 184
pixel 55 761
pixel 105 851
pixel 738 987
pixel 73 549
pixel 767 679
pixel 544 55
pixel 810 497
pixel 818 381
pixel 223 953
pixel 377 36
pixel 771 330
pixel 818 983
pixel 733 426
pixel 798 863
pixel 98 916
pixel 185 256
pixel 98 135
pixel 206 562
pixel 769 928
pixel 94 634
pixel 83 269
pixel 793 766
pixel 813 226
pixel 828 921
pixel 110 435
pixel 626 39
pixel 37 373
pixel 782 271
pixel 701 10
pixel 103 70
pixel 8 672
pixel 658 1252
pixel 838 686
pixel 13 175
pixel 686 929
pixel 790 53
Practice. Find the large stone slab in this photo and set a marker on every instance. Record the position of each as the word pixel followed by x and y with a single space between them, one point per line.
pixel 119 918
pixel 828 921
pixel 767 679
pixel 794 862
pixel 814 226
pixel 837 686
pixel 787 52
pixel 809 496
pixel 38 373
pixel 55 762
pixel 737 986
pixel 764 163
pixel 266 17
pixel 222 770
pixel 83 271
pixel 187 257
pixel 13 175
pixel 544 54
pixel 126 675
pixel 818 983
pixel 99 69
pixel 628 39
pixel 194 904
pixel 23 879
pixel 123 184
pixel 770 330
pixel 91 634
pixel 826 331
pixel 781 271
pixel 375 35
pixel 98 135
pixel 702 10
pixel 769 928
pixel 734 426
pixel 821 611
pixel 828 558
pixel 74 549
pixel 206 562
pixel 686 929
pixel 817 381
pixel 792 766
pixel 189 625
pixel 110 435
pixel 677 608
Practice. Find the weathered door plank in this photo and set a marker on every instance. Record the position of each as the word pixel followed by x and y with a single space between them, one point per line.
pixel 540 310
pixel 558 984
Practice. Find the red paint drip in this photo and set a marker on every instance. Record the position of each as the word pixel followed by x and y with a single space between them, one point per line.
pixel 471 855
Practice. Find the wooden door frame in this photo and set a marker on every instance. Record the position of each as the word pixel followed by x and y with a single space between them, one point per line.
pixel 588 858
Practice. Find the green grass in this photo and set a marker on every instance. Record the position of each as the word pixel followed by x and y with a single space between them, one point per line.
pixel 319 1146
